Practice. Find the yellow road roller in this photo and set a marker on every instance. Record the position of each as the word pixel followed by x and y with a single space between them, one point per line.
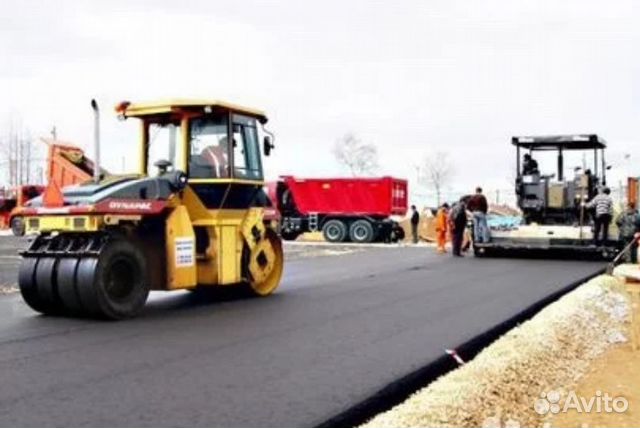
pixel 195 216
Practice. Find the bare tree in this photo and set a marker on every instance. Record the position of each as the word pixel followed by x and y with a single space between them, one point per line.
pixel 360 158
pixel 16 154
pixel 437 172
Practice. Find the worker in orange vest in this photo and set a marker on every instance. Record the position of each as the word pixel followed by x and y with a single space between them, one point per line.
pixel 442 227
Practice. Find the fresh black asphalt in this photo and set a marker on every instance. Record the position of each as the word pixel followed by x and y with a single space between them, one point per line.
pixel 339 328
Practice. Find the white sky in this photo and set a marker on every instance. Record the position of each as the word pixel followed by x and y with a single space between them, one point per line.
pixel 413 77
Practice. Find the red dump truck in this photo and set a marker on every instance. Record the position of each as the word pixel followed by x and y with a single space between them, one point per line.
pixel 344 209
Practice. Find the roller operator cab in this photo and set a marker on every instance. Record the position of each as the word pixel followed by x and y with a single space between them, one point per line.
pixel 192 218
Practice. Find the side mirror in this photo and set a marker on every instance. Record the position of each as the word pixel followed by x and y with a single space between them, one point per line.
pixel 267 145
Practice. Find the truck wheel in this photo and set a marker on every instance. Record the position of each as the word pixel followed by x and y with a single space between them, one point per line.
pixel 17 226
pixel 334 231
pixel 115 286
pixel 289 236
pixel 361 231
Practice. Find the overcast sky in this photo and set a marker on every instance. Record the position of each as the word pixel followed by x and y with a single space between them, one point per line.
pixel 413 77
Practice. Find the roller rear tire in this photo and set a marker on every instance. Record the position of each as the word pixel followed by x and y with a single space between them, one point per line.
pixel 115 286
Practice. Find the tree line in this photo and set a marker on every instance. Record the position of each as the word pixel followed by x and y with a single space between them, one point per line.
pixel 360 159
pixel 19 160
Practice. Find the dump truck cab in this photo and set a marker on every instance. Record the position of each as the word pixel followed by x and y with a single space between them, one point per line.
pixel 545 194
pixel 191 218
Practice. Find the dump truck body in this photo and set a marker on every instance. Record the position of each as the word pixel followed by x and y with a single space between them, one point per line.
pixel 67 164
pixel 355 209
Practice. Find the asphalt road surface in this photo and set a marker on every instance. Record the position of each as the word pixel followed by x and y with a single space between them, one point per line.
pixel 9 259
pixel 339 329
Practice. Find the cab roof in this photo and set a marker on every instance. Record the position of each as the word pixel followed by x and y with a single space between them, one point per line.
pixel 565 142
pixel 129 109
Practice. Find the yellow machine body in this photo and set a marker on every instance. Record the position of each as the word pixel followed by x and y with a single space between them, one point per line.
pixel 210 229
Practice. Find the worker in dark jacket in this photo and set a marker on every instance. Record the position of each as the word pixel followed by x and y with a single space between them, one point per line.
pixel 628 223
pixel 415 221
pixel 479 207
pixel 458 224
pixel 529 165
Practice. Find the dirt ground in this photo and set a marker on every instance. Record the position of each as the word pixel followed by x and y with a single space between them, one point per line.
pixel 617 373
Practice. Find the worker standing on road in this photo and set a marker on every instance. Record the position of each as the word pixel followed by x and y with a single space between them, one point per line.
pixel 442 227
pixel 478 206
pixel 415 221
pixel 458 222
pixel 603 205
pixel 628 224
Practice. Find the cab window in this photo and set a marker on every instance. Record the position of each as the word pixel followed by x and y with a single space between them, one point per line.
pixel 246 153
pixel 209 147
pixel 163 146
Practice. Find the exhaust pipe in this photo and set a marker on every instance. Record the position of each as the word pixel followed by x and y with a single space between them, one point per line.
pixel 96 141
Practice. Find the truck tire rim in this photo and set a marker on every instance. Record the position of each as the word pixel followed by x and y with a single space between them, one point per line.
pixel 360 233
pixel 333 232
pixel 122 279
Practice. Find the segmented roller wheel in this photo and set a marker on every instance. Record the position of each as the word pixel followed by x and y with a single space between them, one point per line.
pixel 112 284
pixel 264 265
pixel 67 291
pixel 37 283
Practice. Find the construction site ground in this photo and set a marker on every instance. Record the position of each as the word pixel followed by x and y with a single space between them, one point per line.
pixel 616 372
pixel 343 325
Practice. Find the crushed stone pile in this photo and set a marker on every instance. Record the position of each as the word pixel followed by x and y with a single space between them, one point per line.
pixel 550 352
